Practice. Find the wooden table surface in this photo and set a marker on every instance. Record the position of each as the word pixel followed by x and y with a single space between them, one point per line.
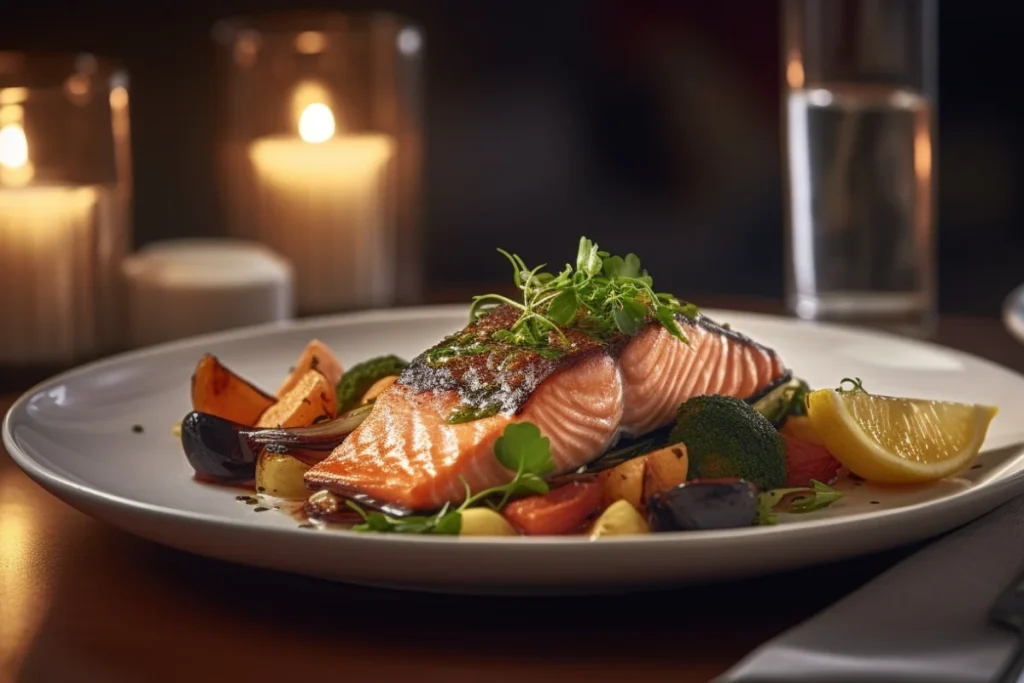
pixel 81 601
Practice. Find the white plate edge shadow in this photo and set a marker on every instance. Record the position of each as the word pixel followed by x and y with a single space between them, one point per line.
pixel 953 510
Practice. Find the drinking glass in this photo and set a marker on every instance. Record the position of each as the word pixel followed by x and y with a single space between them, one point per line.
pixel 860 168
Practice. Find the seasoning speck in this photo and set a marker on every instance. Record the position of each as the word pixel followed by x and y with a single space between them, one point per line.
pixel 260 509
pixel 875 502
pixel 251 501
pixel 260 489
pixel 976 467
pixel 241 497
pixel 137 429
pixel 305 526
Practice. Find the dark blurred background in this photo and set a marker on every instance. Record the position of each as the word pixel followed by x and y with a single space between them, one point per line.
pixel 649 126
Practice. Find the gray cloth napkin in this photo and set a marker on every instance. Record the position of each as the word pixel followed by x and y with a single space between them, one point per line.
pixel 925 620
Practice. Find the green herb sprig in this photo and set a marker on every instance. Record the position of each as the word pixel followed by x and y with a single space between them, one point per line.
pixel 800 499
pixel 601 294
pixel 855 385
pixel 520 448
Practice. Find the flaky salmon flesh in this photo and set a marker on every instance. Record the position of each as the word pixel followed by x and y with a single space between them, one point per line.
pixel 436 426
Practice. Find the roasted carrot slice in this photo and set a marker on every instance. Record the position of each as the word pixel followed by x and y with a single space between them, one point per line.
pixel 218 391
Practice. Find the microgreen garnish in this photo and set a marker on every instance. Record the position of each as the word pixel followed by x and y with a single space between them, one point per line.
pixel 601 294
pixel 800 499
pixel 855 385
pixel 520 448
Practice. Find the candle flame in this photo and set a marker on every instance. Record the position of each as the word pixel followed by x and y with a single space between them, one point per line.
pixel 13 146
pixel 316 124
pixel 15 168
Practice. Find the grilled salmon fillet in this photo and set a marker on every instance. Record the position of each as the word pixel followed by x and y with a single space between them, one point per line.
pixel 436 426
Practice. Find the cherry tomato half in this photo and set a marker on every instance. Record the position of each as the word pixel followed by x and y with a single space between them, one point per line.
pixel 560 511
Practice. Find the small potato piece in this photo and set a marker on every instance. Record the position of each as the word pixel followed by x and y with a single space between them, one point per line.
pixel 624 482
pixel 312 399
pixel 665 469
pixel 220 392
pixel 485 522
pixel 316 356
pixel 280 475
pixel 377 388
pixel 620 519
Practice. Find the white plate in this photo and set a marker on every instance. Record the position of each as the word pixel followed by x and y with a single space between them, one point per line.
pixel 73 435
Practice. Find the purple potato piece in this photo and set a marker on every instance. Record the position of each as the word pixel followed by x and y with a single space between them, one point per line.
pixel 701 505
pixel 225 452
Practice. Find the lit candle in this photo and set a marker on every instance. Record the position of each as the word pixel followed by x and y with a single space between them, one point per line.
pixel 321 200
pixel 48 241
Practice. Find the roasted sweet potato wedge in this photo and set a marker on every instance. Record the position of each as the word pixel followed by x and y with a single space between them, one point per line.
pixel 311 400
pixel 316 356
pixel 218 391
pixel 635 480
pixel 624 482
pixel 665 469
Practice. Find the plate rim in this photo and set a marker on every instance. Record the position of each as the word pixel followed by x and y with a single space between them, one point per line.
pixel 53 481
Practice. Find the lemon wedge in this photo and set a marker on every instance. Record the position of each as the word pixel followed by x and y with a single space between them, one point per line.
pixel 898 440
pixel 800 427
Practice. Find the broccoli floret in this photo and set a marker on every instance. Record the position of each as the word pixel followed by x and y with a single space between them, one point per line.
pixel 726 438
pixel 360 377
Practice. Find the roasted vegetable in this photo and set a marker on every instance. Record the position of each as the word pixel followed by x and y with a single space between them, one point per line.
pixel 360 377
pixel 377 389
pixel 316 356
pixel 619 519
pixel 635 480
pixel 726 438
pixel 224 451
pixel 484 522
pixel 624 482
pixel 311 400
pixel 705 505
pixel 279 474
pixel 807 462
pixel 664 469
pixel 560 511
pixel 784 401
pixel 216 390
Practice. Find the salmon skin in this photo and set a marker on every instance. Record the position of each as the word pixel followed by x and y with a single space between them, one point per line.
pixel 432 432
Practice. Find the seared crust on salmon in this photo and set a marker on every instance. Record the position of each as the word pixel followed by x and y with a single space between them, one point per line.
pixel 432 433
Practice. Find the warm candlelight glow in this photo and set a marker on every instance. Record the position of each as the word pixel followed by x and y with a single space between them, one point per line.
pixel 310 42
pixel 119 97
pixel 923 153
pixel 15 168
pixel 324 207
pixel 344 162
pixel 11 113
pixel 316 124
pixel 795 70
pixel 13 146
pixel 13 95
